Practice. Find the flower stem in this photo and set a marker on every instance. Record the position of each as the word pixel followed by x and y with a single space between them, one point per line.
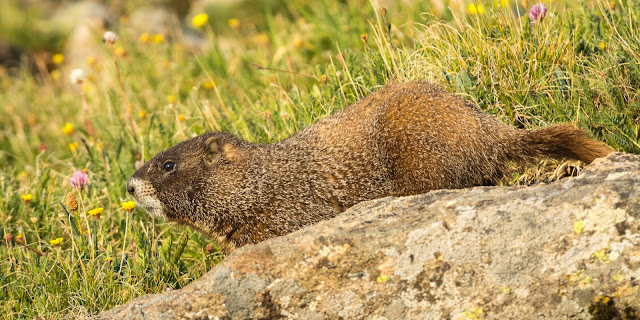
pixel 84 210
pixel 124 244
pixel 33 250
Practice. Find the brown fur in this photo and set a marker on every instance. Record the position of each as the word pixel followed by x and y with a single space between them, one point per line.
pixel 402 140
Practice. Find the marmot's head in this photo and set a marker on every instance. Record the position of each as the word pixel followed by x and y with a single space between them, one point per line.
pixel 167 185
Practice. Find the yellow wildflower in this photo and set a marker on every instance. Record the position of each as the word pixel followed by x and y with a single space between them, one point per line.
pixel 171 99
pixel 144 37
pixel 612 5
pixel 181 118
pixel 57 59
pixel 34 219
pixel 364 37
pixel 382 279
pixel 157 38
pixel 297 42
pixel 200 20
pixel 208 85
pixel 56 241
pixel 474 9
pixel 91 60
pixel 73 146
pixel 97 212
pixel 68 128
pixel 31 121
pixel 55 74
pixel 128 205
pixel 142 114
pixel 501 3
pixel 261 39
pixel 26 197
pixel 234 23
pixel 602 46
pixel 120 52
pixel 324 78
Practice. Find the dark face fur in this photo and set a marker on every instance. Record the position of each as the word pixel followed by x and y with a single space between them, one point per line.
pixel 167 185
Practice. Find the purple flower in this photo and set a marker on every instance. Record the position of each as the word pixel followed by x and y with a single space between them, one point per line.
pixel 79 179
pixel 537 13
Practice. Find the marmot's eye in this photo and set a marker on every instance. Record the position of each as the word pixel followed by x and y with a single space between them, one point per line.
pixel 168 166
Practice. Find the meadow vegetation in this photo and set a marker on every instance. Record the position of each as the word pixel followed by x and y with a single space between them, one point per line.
pixel 263 79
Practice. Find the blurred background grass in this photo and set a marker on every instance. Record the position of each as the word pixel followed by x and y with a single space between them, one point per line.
pixel 262 70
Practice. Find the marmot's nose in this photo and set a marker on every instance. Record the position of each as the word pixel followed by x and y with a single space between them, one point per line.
pixel 130 188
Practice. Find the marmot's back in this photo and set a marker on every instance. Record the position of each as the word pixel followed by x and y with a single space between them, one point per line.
pixel 425 138
pixel 404 139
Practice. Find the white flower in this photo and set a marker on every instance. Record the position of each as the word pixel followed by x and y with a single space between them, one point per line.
pixel 109 37
pixel 77 76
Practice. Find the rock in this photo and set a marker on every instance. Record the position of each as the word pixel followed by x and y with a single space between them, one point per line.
pixel 68 17
pixel 569 249
pixel 177 7
pixel 153 20
pixel 87 22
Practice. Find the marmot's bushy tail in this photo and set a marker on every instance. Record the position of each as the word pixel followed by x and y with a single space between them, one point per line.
pixel 560 141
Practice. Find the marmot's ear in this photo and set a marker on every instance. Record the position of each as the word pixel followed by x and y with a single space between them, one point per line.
pixel 217 148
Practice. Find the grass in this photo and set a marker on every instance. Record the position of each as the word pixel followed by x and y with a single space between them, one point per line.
pixel 263 81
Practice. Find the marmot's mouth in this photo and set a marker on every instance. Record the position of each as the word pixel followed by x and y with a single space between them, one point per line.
pixel 150 209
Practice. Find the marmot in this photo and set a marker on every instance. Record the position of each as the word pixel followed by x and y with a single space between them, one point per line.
pixel 404 139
